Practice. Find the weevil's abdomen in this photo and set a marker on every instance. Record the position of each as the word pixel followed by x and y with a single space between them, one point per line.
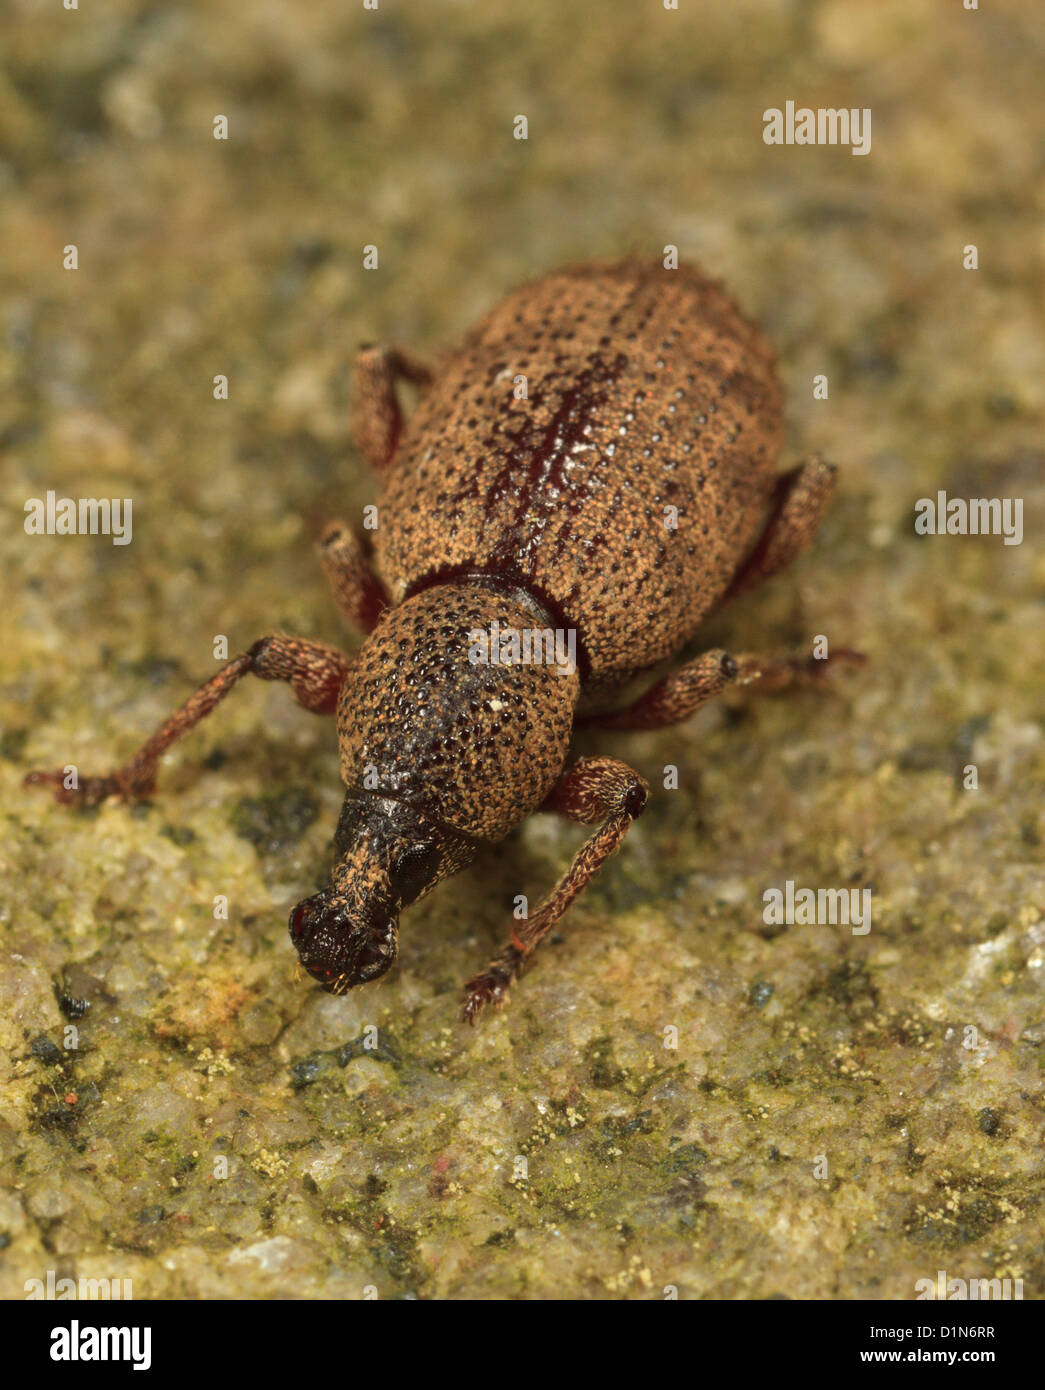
pixel 605 439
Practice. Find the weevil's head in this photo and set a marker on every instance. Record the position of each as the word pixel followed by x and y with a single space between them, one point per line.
pixel 389 854
pixel 443 749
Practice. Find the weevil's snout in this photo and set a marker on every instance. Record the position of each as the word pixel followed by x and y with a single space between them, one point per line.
pixel 388 855
pixel 342 944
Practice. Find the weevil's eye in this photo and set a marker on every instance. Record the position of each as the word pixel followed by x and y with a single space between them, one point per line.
pixel 413 871
pixel 299 918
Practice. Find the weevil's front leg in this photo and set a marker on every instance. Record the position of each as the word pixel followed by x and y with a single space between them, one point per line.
pixel 802 497
pixel 593 790
pixel 357 589
pixel 314 672
pixel 377 419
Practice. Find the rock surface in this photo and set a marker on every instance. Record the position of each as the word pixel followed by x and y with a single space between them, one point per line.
pixel 842 1115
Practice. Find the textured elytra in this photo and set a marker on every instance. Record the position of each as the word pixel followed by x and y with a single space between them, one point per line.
pixel 645 390
pixel 477 746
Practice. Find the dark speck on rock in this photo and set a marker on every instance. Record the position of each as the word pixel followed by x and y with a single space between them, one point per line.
pixel 44 1050
pixel 497 1238
pixel 303 1073
pixel 155 670
pixel 275 820
pixel 602 1067
pixel 12 744
pixel 685 1159
pixel 310 252
pixel 988 1120
pixel 181 835
pixel 384 1050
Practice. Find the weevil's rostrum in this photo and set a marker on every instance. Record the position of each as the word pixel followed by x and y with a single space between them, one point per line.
pixel 597 463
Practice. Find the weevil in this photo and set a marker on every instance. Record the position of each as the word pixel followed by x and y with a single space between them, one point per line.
pixel 597 459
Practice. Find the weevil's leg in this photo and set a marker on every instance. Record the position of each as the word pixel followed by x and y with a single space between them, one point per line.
pixel 593 790
pixel 314 672
pixel 376 417
pixel 676 697
pixel 357 589
pixel 802 497
pixel 775 672
pixel 682 692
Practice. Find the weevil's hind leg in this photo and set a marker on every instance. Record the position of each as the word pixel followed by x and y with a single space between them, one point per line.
pixel 682 692
pixel 676 697
pixel 314 671
pixel 802 497
pixel 594 790
pixel 377 419
pixel 357 590
pixel 772 673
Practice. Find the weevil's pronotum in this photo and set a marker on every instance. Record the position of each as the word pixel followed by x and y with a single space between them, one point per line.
pixel 596 464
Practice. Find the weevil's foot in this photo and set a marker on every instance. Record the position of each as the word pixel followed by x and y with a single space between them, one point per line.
pixel 491 987
pixel 810 670
pixel 848 657
pixel 779 673
pixel 89 791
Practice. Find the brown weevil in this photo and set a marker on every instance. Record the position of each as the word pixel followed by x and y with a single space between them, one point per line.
pixel 594 467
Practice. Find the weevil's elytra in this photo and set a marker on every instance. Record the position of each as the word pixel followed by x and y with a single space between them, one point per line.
pixel 596 460
pixel 645 389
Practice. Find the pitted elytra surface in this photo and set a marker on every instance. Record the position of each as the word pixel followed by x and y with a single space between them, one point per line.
pixel 594 466
pixel 438 730
pixel 645 390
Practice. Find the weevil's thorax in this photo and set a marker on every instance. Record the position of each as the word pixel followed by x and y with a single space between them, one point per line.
pixel 461 706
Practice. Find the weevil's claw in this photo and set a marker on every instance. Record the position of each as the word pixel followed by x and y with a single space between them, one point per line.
pixel 811 670
pixel 848 657
pixel 491 987
pixel 779 673
pixel 89 791
pixel 748 668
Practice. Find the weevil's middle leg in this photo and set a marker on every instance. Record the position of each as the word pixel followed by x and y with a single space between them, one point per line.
pixel 357 590
pixel 593 790
pixel 377 420
pixel 801 499
pixel 314 671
